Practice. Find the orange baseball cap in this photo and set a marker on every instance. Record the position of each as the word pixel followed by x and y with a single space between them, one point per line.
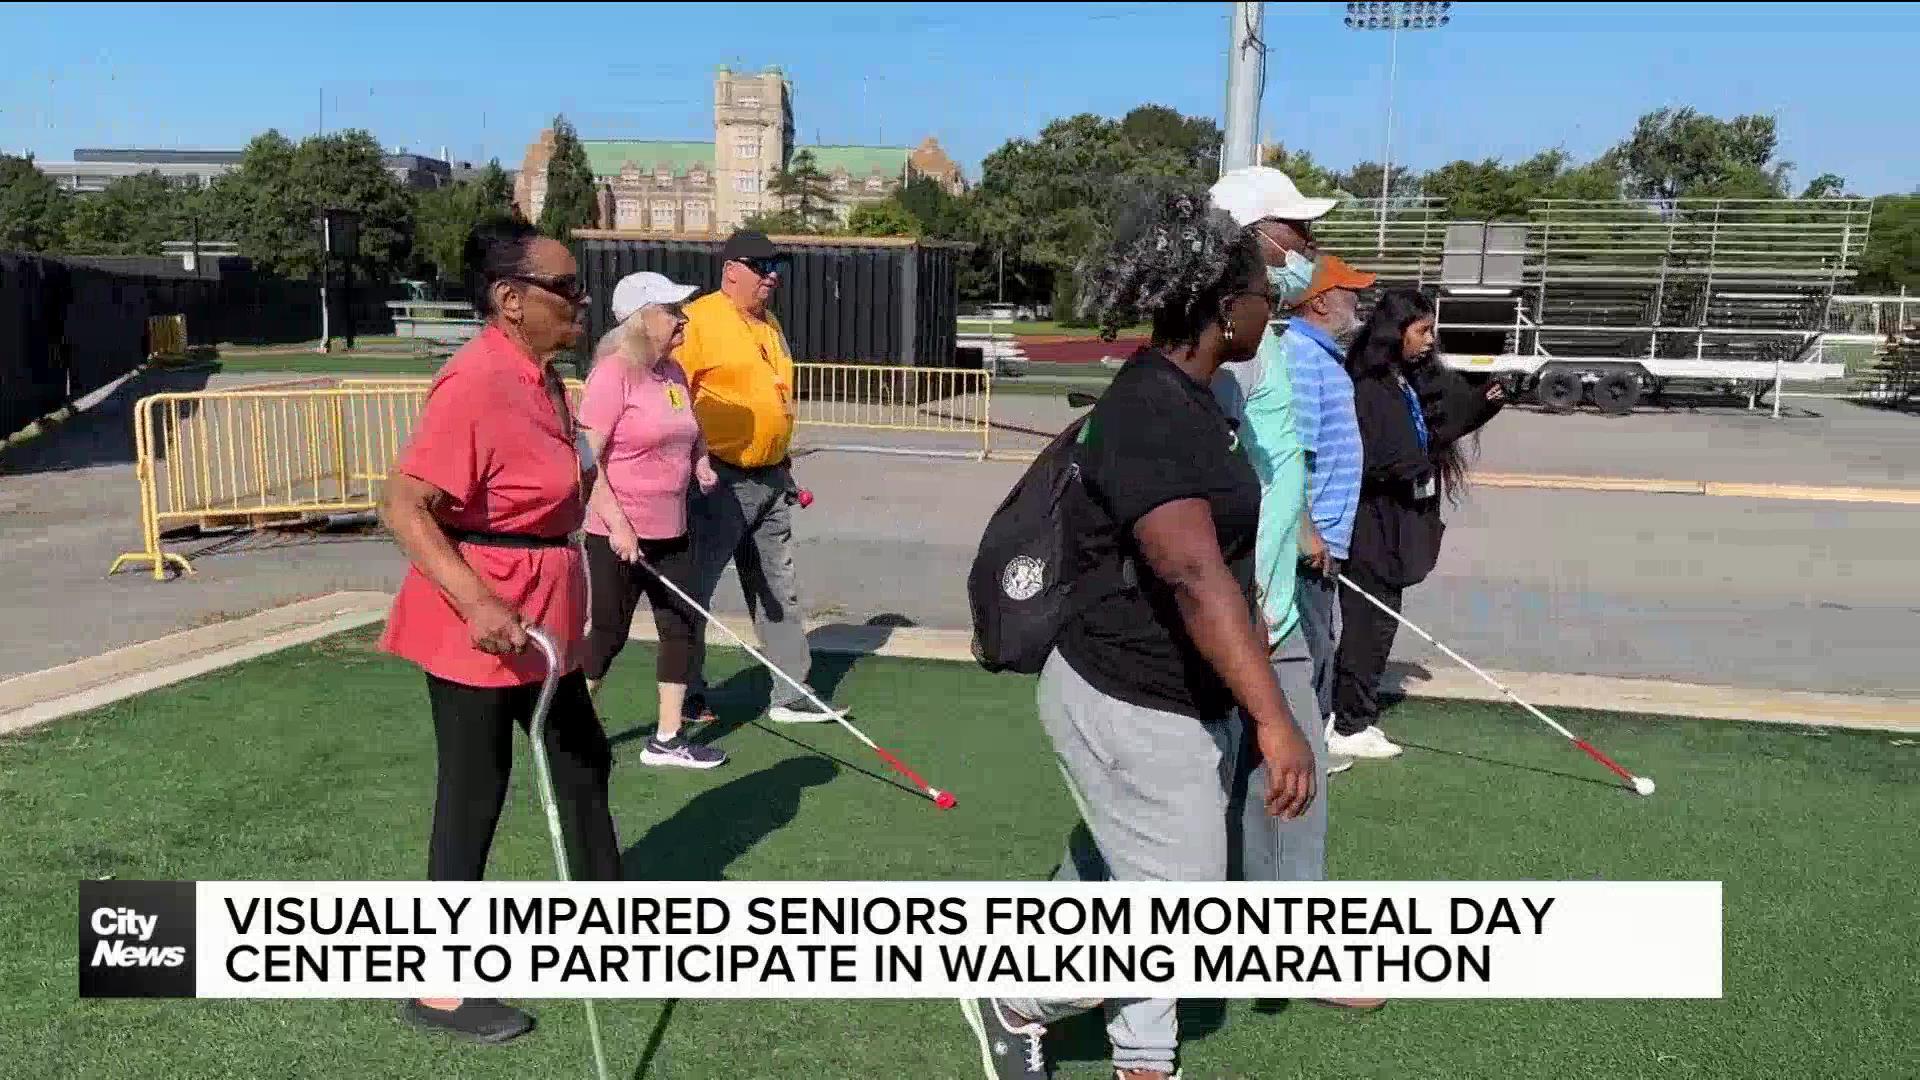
pixel 1331 272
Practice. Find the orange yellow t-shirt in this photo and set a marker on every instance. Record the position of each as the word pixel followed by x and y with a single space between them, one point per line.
pixel 741 373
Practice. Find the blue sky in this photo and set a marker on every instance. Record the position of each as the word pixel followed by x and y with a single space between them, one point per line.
pixel 1502 80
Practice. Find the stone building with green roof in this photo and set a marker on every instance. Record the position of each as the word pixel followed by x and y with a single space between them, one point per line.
pixel 708 188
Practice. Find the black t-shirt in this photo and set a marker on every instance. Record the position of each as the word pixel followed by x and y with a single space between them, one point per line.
pixel 1156 436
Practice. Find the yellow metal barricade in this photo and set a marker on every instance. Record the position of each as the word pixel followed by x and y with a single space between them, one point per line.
pixel 285 452
pixel 938 401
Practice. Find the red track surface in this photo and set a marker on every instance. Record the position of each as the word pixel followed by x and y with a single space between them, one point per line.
pixel 1077 350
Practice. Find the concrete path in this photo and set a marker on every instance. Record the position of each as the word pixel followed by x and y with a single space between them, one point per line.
pixel 1741 592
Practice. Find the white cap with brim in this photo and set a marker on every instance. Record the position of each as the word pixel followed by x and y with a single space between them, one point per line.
pixel 636 291
pixel 1257 193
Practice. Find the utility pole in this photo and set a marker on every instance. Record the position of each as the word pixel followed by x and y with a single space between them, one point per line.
pixel 1246 76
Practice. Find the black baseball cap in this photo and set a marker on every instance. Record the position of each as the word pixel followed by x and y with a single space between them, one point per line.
pixel 746 245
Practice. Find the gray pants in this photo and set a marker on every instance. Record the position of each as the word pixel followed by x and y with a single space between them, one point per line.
pixel 746 519
pixel 1270 849
pixel 1151 788
pixel 1319 604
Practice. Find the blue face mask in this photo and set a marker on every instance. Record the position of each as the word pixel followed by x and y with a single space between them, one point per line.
pixel 1289 281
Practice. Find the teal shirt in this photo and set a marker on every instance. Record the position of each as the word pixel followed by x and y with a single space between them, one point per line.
pixel 1259 394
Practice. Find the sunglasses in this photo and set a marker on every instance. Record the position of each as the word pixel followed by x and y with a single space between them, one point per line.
pixel 763 266
pixel 566 288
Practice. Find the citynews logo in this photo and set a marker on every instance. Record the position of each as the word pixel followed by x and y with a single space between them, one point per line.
pixel 136 939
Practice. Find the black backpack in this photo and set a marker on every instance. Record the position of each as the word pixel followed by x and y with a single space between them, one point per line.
pixel 1023 571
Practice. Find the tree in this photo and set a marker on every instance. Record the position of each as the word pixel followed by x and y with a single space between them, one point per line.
pixel 1192 142
pixel 1306 174
pixel 776 223
pixel 939 212
pixel 1825 186
pixel 1892 258
pixel 134 215
pixel 443 217
pixel 1679 153
pixel 884 218
pixel 570 202
pixel 270 203
pixel 33 209
pixel 804 192
pixel 1363 181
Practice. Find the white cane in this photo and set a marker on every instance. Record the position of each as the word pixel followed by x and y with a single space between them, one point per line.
pixel 537 729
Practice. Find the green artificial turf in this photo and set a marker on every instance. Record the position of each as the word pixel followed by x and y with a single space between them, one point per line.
pixel 317 763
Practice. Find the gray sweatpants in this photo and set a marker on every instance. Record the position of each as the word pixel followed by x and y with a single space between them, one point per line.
pixel 746 519
pixel 1268 848
pixel 1151 788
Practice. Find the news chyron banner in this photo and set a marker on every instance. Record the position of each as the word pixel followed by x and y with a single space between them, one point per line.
pixel 809 939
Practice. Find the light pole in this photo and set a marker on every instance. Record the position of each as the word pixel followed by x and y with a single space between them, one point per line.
pixel 1393 18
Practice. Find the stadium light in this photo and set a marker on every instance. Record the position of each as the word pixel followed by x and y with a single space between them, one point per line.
pixel 1394 17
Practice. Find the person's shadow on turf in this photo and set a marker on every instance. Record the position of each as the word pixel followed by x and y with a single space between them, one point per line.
pixel 721 824
pixel 713 829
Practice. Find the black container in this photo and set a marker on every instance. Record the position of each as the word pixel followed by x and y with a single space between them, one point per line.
pixel 843 299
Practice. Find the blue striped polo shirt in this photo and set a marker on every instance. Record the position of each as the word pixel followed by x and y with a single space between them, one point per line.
pixel 1324 421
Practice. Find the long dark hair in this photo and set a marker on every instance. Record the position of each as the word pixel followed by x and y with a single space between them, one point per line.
pixel 1375 353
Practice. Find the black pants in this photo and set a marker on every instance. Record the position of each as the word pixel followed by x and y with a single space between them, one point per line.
pixel 1366 638
pixel 473 727
pixel 617 588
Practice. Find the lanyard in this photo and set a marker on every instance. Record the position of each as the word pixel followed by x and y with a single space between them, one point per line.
pixel 1413 409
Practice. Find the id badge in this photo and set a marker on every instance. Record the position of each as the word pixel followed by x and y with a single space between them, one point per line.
pixel 1425 489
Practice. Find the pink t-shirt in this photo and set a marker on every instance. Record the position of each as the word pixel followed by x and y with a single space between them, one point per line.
pixel 647 420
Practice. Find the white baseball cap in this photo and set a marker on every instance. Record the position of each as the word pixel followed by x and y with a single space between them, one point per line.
pixel 1258 192
pixel 636 291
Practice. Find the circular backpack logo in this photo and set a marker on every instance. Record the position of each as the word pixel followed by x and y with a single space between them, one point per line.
pixel 1023 578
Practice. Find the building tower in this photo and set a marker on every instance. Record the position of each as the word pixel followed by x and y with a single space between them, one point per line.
pixel 752 138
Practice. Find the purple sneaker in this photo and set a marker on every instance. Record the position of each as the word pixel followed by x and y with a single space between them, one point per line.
pixel 678 751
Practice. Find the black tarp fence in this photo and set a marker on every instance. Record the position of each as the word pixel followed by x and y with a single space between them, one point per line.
pixel 843 299
pixel 71 326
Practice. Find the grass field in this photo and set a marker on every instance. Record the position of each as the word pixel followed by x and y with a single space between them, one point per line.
pixel 317 763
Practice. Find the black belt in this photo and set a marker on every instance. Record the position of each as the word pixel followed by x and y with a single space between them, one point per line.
pixel 508 540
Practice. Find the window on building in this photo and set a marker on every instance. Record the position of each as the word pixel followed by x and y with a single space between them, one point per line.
pixel 749 101
pixel 626 214
pixel 875 183
pixel 662 176
pixel 839 183
pixel 750 206
pixel 696 215
pixel 747 183
pixel 746 147
pixel 698 178
pixel 663 216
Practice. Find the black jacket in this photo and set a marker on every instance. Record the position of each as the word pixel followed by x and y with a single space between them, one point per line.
pixel 1397 533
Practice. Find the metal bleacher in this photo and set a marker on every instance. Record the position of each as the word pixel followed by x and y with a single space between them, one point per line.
pixel 1687 288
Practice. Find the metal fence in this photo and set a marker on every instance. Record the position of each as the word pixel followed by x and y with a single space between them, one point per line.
pixel 287 453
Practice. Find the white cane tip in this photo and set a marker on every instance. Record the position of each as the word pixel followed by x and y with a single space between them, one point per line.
pixel 1643 785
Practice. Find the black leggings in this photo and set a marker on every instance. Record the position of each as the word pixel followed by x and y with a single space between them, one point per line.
pixel 1366 640
pixel 473 727
pixel 617 589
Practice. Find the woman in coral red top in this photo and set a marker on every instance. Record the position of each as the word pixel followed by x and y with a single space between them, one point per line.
pixel 485 500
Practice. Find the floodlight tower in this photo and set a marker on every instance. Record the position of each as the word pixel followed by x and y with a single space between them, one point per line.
pixel 1393 18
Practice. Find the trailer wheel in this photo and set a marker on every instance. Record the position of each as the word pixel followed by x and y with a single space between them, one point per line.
pixel 1617 392
pixel 1558 389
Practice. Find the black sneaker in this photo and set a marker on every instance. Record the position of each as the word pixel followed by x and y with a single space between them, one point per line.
pixel 481 1020
pixel 680 753
pixel 802 712
pixel 1008 1050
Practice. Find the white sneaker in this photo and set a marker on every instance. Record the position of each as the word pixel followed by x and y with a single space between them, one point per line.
pixel 1371 743
pixel 1338 763
pixel 802 712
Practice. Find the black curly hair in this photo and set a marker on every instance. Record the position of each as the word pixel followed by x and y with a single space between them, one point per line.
pixel 1172 257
